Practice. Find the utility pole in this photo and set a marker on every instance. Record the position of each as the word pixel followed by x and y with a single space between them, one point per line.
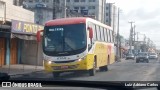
pixel 134 34
pixel 65 9
pixel 131 36
pixel 117 51
pixel 134 42
pixel 54 10
pixel 137 36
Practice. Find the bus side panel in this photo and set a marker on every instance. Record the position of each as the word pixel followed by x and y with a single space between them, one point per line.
pixel 101 52
pixel 105 53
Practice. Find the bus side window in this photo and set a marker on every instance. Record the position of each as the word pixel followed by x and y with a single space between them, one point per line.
pixel 94 32
pixel 108 35
pixel 101 32
pixel 98 33
pixel 104 34
pixel 111 36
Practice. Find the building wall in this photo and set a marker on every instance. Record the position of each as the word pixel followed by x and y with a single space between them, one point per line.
pixel 44 9
pixel 47 11
pixel 98 4
pixel 111 15
pixel 17 13
pixel 31 55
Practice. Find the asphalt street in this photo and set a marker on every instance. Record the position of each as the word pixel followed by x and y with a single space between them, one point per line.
pixel 126 70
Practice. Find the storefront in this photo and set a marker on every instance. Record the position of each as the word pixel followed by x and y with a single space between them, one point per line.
pixel 24 47
pixel 4 44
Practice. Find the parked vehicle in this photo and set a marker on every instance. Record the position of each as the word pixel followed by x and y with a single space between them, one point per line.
pixel 142 57
pixel 130 56
pixel 153 56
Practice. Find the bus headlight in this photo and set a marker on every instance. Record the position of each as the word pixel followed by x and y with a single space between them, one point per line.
pixel 83 58
pixel 49 62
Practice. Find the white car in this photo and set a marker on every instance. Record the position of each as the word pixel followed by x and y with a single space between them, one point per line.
pixel 153 56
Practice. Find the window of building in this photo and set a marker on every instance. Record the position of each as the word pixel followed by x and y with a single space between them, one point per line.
pixel 76 0
pixel 43 0
pixel 68 0
pixel 82 8
pixel 37 0
pixel 68 7
pixel 83 0
pixel 76 8
pixel 92 13
pixel 30 1
pixel 106 20
pixel 106 8
pixel 91 0
pixel 91 7
pixel 47 1
pixel 106 14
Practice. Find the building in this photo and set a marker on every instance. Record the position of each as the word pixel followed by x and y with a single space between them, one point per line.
pixel 17 47
pixel 44 9
pixel 50 9
pixel 89 8
pixel 18 2
pixel 111 13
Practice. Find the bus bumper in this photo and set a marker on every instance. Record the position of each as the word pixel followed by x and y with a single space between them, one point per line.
pixel 78 65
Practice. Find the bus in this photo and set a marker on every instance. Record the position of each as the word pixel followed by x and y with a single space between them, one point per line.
pixel 76 44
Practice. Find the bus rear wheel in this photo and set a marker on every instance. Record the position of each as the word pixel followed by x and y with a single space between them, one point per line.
pixel 92 71
pixel 104 68
pixel 56 74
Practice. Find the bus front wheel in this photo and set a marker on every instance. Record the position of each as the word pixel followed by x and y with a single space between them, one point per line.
pixel 92 71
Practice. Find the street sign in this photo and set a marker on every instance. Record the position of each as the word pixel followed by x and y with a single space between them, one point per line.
pixel 25 27
pixel 40 5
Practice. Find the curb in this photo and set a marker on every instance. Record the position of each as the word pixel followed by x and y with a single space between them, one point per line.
pixel 15 75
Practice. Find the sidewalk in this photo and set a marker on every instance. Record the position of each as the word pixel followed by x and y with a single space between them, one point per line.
pixel 20 69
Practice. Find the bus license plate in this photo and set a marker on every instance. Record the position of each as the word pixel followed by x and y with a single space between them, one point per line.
pixel 64 67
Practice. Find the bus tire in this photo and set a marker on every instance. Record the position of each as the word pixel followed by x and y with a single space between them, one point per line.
pixel 104 68
pixel 92 71
pixel 56 74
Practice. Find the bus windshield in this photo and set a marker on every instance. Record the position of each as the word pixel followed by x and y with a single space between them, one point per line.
pixel 64 39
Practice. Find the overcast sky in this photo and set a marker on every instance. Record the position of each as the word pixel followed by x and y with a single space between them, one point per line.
pixel 145 14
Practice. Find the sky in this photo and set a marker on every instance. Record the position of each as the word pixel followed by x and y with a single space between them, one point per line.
pixel 145 14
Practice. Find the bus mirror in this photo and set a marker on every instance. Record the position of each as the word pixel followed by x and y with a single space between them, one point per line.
pixel 90 32
pixel 39 35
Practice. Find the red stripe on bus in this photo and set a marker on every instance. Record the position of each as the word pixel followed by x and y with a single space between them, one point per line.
pixel 65 21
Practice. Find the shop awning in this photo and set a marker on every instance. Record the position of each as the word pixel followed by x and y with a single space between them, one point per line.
pixel 23 36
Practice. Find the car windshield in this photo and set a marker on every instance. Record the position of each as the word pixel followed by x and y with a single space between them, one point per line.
pixel 152 54
pixel 130 54
pixel 142 54
pixel 80 40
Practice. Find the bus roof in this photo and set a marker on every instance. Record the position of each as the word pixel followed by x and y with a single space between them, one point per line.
pixel 73 20
pixel 65 21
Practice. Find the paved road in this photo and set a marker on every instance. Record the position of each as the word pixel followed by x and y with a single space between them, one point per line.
pixel 127 70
